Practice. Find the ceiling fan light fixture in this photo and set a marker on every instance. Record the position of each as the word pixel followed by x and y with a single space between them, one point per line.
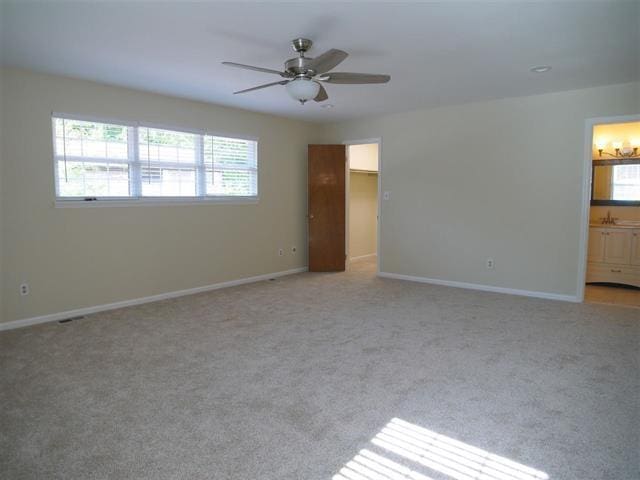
pixel 303 89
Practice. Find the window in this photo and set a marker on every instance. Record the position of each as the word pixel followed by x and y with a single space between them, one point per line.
pixel 170 163
pixel 230 166
pixel 112 161
pixel 92 159
pixel 625 182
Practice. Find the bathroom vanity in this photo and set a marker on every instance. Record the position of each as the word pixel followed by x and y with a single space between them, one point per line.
pixel 614 254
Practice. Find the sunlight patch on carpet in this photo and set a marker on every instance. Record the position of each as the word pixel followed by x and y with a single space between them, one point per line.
pixel 433 451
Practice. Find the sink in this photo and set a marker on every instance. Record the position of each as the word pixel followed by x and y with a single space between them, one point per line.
pixel 628 223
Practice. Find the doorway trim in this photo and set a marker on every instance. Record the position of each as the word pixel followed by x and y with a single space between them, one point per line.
pixel 365 141
pixel 586 193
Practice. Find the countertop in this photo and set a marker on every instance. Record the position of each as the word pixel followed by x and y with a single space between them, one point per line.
pixel 615 225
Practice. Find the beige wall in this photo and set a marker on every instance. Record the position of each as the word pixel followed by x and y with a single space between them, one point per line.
pixel 498 179
pixel 80 257
pixel 2 229
pixel 363 212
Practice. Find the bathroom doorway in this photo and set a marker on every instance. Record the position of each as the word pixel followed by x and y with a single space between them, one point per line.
pixel 362 202
pixel 612 273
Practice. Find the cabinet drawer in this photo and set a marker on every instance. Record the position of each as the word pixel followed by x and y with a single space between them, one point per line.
pixel 625 274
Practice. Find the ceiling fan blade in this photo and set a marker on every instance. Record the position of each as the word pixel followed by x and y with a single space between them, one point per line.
pixel 281 82
pixel 354 78
pixel 328 60
pixel 322 95
pixel 257 69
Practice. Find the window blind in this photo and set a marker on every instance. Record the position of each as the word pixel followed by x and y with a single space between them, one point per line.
pixel 231 166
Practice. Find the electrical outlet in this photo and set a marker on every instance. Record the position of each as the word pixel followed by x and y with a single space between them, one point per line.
pixel 490 263
pixel 294 250
pixel 24 289
pixel 280 252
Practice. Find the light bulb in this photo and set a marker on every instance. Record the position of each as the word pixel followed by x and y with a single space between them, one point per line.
pixel 617 144
pixel 635 142
pixel 600 143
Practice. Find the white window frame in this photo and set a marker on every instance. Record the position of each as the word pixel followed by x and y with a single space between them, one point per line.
pixel 135 165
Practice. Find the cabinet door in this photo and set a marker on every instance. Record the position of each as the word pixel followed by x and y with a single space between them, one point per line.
pixel 635 247
pixel 617 246
pixel 596 244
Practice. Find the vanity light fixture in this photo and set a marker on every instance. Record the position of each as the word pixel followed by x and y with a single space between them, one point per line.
pixel 622 149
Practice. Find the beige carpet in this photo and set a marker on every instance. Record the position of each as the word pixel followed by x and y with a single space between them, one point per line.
pixel 321 376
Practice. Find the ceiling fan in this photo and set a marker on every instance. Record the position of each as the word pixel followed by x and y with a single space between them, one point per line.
pixel 302 75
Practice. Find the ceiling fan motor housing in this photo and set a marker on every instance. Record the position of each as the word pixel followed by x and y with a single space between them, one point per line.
pixel 299 67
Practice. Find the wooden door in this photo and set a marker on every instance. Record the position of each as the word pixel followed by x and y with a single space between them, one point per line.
pixel 327 167
pixel 595 252
pixel 618 246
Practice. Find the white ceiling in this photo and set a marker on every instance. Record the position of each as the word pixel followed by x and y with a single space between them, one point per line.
pixel 436 53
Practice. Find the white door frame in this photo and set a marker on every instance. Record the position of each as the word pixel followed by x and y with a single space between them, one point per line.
pixel 586 193
pixel 365 141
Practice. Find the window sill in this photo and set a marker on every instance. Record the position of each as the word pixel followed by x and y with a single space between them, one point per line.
pixel 154 202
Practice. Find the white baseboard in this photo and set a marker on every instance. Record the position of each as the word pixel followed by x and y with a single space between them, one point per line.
pixel 25 322
pixel 484 288
pixel 359 257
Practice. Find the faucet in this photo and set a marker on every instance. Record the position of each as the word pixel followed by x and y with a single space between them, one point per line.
pixel 609 220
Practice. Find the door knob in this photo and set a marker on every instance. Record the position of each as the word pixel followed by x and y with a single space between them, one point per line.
pixel 311 216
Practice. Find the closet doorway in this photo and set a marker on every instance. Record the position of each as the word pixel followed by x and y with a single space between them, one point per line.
pixel 363 205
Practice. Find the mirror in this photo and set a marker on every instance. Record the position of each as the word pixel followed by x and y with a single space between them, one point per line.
pixel 616 182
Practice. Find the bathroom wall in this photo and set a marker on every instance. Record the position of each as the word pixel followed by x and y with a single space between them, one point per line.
pixel 621 213
pixel 364 157
pixel 626 133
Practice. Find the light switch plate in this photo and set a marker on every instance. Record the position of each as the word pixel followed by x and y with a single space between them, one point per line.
pixel 386 195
